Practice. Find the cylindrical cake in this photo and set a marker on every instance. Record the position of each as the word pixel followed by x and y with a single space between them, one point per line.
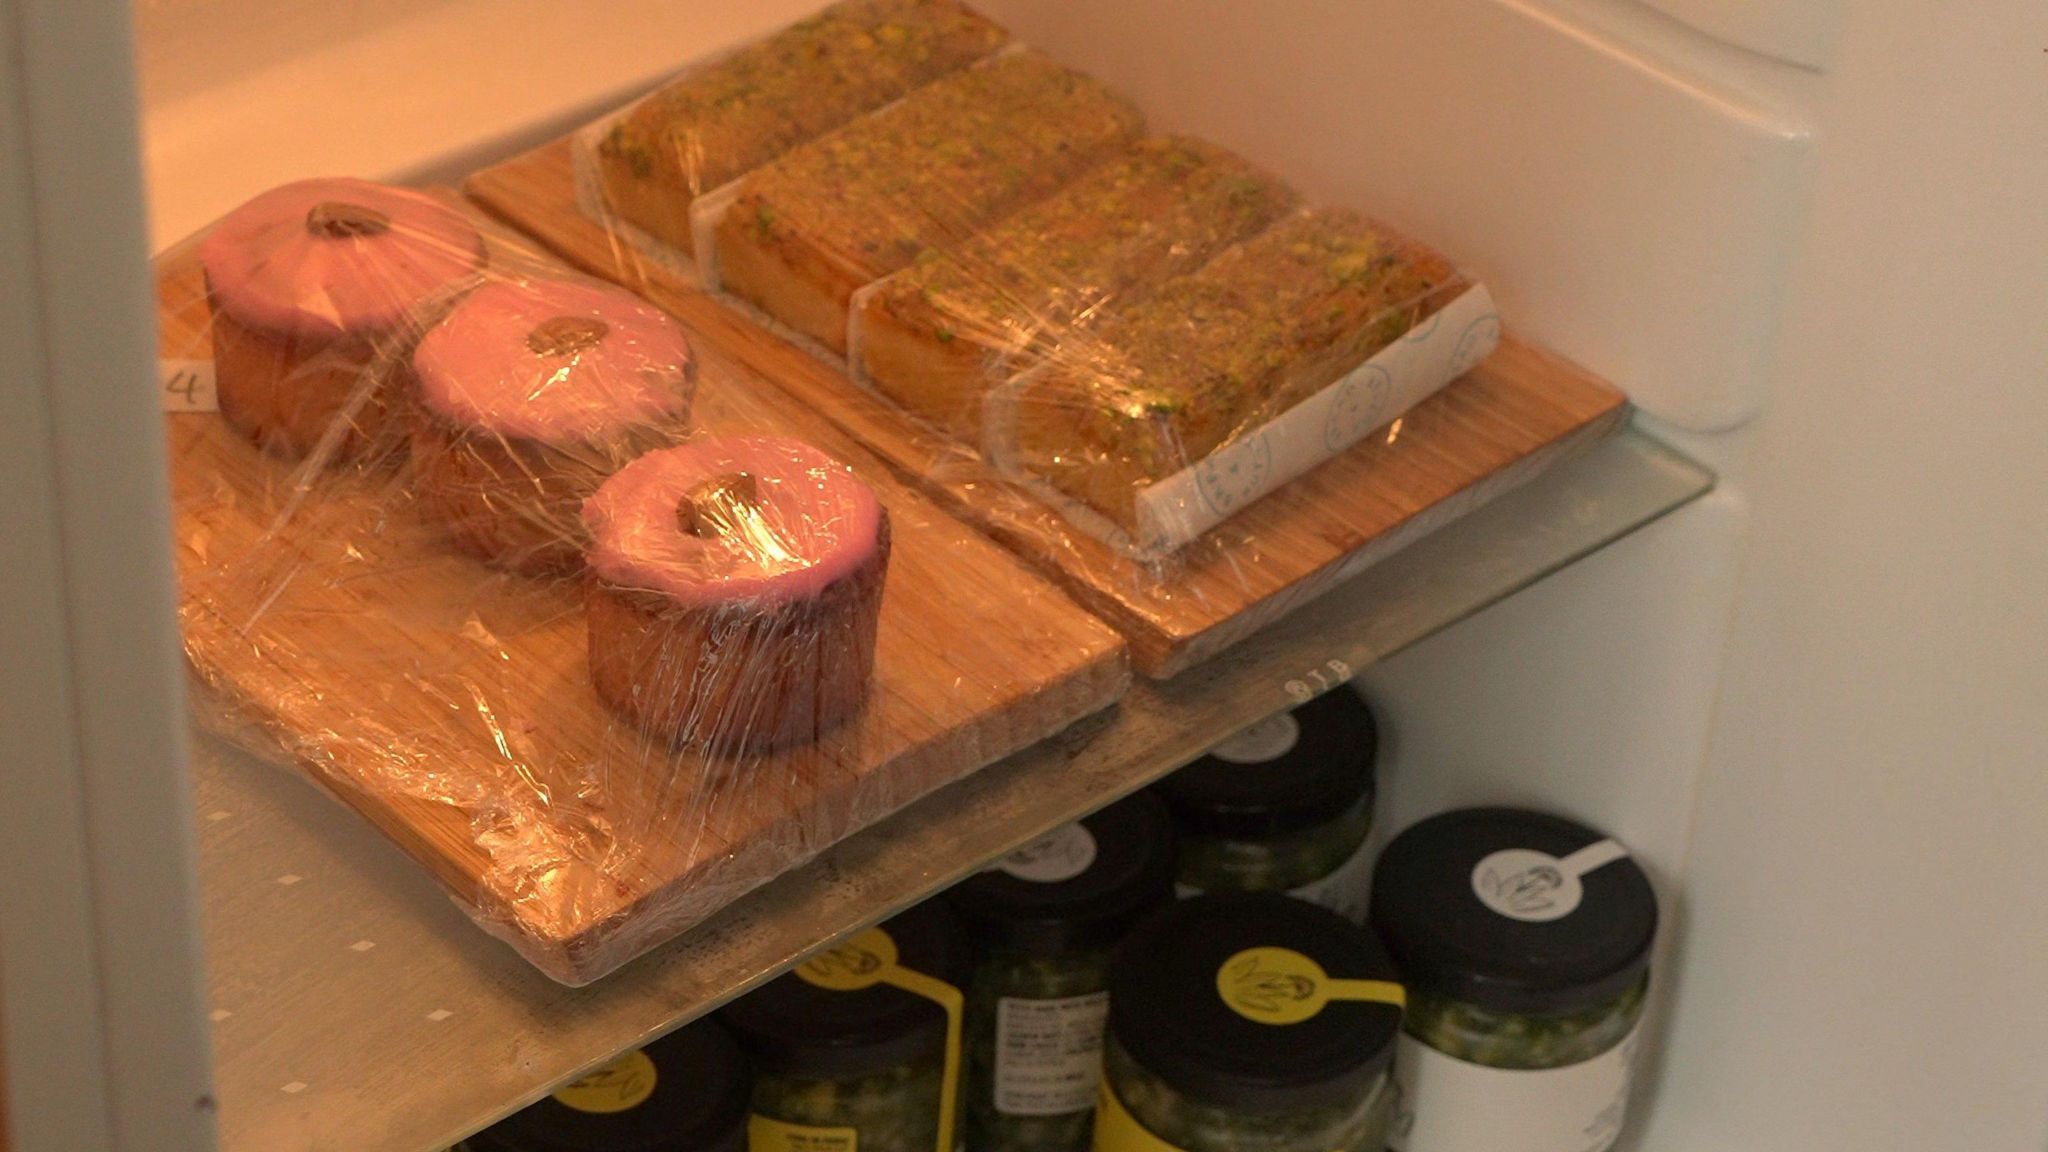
pixel 319 290
pixel 529 394
pixel 736 592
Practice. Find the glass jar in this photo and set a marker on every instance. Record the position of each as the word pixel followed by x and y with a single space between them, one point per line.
pixel 854 1068
pixel 1045 919
pixel 1525 939
pixel 1249 1023
pixel 686 1092
pixel 1284 806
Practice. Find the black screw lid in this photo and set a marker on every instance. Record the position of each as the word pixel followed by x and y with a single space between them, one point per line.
pixel 697 1103
pixel 1081 886
pixel 1167 1003
pixel 1490 906
pixel 1288 772
pixel 791 1026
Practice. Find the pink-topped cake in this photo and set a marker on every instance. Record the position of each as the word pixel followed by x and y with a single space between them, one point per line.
pixel 738 586
pixel 319 290
pixel 529 394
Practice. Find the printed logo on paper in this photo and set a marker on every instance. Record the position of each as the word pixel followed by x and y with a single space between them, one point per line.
pixel 1536 887
pixel 1359 407
pixel 620 1086
pixel 1270 985
pixel 1424 330
pixel 1060 854
pixel 850 966
pixel 1479 339
pixel 1263 742
pixel 1235 475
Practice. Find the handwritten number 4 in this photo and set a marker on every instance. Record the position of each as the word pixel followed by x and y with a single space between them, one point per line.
pixel 183 383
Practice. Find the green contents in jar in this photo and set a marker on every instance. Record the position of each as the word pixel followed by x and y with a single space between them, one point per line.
pixel 896 1110
pixel 1071 985
pixel 1525 940
pixel 1194 1126
pixel 1249 1022
pixel 1047 919
pixel 854 1049
pixel 1283 806
pixel 1523 1040
pixel 1276 864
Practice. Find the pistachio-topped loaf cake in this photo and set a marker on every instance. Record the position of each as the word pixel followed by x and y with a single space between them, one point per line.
pixel 852 207
pixel 1255 331
pixel 718 122
pixel 937 334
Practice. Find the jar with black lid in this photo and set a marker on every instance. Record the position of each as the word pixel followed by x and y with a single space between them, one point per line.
pixel 1283 806
pixel 1525 940
pixel 843 1058
pixel 1045 920
pixel 1249 1021
pixel 686 1092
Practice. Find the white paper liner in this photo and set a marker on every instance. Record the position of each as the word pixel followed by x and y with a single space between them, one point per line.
pixel 1178 509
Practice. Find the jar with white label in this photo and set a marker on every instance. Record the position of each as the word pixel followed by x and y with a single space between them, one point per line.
pixel 851 1050
pixel 686 1092
pixel 1525 941
pixel 1045 919
pixel 1249 1022
pixel 1284 806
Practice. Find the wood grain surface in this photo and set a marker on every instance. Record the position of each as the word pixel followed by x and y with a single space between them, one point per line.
pixel 450 704
pixel 1497 427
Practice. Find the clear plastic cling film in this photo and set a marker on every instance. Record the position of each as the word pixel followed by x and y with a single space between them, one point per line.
pixel 1101 341
pixel 581 616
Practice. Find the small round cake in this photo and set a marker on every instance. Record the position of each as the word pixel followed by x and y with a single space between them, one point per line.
pixel 738 583
pixel 529 394
pixel 319 290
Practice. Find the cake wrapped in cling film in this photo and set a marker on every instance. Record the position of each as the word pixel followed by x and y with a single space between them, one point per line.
pixel 1142 331
pixel 581 616
pixel 923 388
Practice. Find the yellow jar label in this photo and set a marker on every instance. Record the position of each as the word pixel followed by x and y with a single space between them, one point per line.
pixel 867 959
pixel 1282 986
pixel 769 1135
pixel 620 1086
pixel 1116 1130
pixel 851 965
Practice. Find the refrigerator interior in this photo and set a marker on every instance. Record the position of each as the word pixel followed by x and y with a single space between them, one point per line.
pixel 1807 239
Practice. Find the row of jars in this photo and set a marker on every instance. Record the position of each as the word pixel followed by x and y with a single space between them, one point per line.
pixel 1063 999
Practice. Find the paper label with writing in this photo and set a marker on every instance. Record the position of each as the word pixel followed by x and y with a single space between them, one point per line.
pixel 1451 1105
pixel 769 1135
pixel 1048 1054
pixel 186 386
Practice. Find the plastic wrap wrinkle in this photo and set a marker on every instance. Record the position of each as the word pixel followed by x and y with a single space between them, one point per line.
pixel 402 608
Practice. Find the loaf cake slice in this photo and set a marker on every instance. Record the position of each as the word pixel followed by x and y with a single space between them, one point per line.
pixel 852 207
pixel 721 121
pixel 1260 328
pixel 937 334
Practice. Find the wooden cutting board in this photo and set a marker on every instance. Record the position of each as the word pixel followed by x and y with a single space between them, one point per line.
pixel 450 704
pixel 1518 413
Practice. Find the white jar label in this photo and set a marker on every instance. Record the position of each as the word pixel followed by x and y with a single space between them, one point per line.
pixel 1049 1054
pixel 1265 741
pixel 1524 884
pixel 1342 891
pixel 1061 854
pixel 1450 1105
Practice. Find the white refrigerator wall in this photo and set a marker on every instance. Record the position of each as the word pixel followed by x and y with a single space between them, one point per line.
pixel 1810 238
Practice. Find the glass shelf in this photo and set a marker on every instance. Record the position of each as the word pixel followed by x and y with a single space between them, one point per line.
pixel 354 1006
